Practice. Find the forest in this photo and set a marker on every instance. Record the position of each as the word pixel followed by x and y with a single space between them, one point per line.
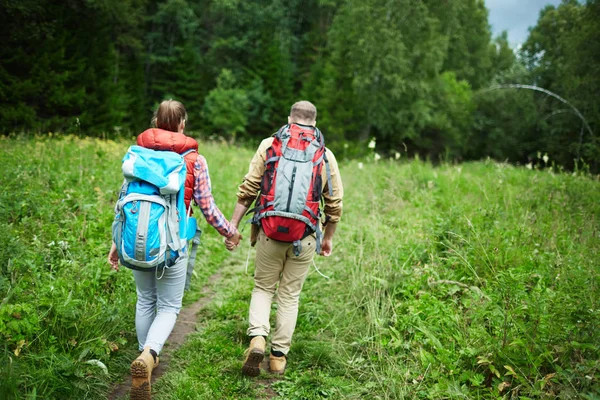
pixel 421 77
pixel 465 264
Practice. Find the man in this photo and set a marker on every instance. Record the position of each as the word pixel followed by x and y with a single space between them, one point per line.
pixel 285 263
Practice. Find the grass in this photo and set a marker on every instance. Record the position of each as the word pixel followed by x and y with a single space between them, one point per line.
pixel 61 306
pixel 478 280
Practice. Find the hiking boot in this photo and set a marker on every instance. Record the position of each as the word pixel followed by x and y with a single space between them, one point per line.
pixel 141 375
pixel 277 364
pixel 254 356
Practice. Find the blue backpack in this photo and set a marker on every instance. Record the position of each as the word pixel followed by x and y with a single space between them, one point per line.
pixel 151 225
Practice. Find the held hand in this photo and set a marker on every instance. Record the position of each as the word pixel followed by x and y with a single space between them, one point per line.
pixel 113 257
pixel 233 241
pixel 326 247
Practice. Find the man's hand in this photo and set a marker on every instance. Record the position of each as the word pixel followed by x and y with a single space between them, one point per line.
pixel 238 214
pixel 113 257
pixel 327 242
pixel 326 247
pixel 233 241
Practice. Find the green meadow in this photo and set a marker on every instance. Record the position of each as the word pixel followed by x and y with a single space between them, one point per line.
pixel 478 280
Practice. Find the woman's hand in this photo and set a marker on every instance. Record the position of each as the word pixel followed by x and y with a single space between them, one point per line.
pixel 233 241
pixel 113 257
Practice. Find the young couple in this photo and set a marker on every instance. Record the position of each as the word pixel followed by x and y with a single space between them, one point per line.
pixel 280 263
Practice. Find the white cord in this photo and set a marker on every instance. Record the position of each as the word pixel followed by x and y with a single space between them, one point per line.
pixel 317 269
pixel 248 259
pixel 163 272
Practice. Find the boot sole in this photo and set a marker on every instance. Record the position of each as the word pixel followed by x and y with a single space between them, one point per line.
pixel 140 381
pixel 252 365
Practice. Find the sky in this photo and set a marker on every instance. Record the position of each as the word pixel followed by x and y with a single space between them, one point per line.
pixel 515 16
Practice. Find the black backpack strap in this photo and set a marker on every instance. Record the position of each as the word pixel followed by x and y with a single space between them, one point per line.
pixel 319 136
pixel 319 236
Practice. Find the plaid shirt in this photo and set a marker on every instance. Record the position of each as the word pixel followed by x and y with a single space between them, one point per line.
pixel 205 200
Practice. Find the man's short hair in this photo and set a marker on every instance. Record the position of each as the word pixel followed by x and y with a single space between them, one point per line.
pixel 303 111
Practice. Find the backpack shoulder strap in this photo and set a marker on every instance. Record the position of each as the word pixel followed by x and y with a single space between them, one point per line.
pixel 328 172
pixel 188 152
pixel 280 132
pixel 321 140
pixel 319 136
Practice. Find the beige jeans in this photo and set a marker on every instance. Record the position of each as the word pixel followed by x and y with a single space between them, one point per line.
pixel 276 264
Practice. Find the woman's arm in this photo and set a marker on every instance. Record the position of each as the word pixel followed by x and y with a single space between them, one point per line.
pixel 205 200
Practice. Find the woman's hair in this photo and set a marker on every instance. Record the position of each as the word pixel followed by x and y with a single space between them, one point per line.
pixel 169 115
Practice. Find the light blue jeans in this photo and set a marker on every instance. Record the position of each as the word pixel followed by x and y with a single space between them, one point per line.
pixel 158 303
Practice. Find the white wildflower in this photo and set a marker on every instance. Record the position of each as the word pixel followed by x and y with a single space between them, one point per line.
pixel 372 144
pixel 99 364
pixel 546 158
pixel 377 157
pixel 360 165
pixel 529 166
pixel 397 156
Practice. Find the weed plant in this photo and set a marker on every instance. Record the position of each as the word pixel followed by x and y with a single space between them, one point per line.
pixel 66 320
pixel 478 280
pixel 461 281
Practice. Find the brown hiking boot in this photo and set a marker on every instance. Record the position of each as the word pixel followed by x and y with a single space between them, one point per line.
pixel 141 375
pixel 254 356
pixel 277 364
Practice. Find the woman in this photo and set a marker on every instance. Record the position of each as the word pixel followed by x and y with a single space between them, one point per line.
pixel 159 298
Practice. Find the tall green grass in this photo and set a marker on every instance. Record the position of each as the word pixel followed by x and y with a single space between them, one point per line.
pixel 473 280
pixel 63 313
pixel 478 280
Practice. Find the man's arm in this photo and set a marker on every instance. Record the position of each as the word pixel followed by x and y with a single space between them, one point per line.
pixel 333 203
pixel 327 243
pixel 238 213
pixel 249 188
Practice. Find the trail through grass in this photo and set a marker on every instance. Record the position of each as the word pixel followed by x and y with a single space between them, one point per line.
pixel 478 280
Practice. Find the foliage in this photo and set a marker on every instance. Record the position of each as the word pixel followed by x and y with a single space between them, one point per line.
pixel 60 304
pixel 412 74
pixel 562 52
pixel 226 108
pixel 477 280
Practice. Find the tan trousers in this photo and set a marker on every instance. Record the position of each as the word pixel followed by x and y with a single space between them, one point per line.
pixel 276 264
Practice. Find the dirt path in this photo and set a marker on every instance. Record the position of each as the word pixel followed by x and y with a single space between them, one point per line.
pixel 266 382
pixel 186 324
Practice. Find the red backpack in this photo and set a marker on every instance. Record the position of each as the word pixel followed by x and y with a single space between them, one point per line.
pixel 291 188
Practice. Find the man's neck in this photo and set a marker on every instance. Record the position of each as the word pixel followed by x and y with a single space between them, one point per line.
pixel 303 123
